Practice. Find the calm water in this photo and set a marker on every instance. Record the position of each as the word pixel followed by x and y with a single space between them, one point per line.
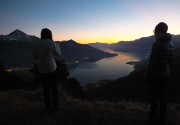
pixel 107 68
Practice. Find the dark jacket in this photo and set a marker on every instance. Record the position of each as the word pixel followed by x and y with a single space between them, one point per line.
pixel 160 60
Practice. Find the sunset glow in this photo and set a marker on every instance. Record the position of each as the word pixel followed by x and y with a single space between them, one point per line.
pixel 89 21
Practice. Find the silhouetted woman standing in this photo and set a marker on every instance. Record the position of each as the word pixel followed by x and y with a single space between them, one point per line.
pixel 45 51
pixel 158 71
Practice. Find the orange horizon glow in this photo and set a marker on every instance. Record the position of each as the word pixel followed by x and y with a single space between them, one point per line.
pixel 86 41
pixel 107 39
pixel 90 21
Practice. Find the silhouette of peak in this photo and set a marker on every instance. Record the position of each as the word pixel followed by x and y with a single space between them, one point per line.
pixel 19 35
pixel 17 32
pixel 71 41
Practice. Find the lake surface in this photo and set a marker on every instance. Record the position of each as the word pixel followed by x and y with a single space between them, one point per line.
pixel 104 69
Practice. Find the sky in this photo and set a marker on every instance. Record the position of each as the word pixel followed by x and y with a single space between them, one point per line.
pixel 89 21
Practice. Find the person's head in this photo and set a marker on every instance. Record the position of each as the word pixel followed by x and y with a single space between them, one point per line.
pixel 160 28
pixel 46 34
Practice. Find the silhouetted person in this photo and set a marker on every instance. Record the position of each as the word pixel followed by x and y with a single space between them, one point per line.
pixel 45 51
pixel 158 71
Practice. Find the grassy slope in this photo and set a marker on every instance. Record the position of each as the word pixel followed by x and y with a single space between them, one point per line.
pixel 26 108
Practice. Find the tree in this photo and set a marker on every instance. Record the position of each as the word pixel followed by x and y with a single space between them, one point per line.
pixel 1 68
pixel 34 70
pixel 1 73
pixel 74 88
pixel 62 70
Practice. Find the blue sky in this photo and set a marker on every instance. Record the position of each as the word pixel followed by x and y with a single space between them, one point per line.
pixel 88 21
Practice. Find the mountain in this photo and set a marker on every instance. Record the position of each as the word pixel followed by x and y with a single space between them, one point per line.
pixel 176 40
pixel 140 46
pixel 100 45
pixel 16 50
pixel 18 35
pixel 72 50
pixel 137 46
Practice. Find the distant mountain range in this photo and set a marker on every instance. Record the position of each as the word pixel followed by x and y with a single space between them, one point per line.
pixel 18 35
pixel 16 50
pixel 72 50
pixel 140 46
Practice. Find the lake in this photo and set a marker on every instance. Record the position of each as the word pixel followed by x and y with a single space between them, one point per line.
pixel 104 69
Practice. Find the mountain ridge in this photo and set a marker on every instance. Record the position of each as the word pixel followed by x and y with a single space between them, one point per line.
pixel 141 46
pixel 83 52
pixel 19 43
pixel 16 50
pixel 18 35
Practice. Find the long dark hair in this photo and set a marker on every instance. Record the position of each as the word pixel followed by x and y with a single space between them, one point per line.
pixel 46 34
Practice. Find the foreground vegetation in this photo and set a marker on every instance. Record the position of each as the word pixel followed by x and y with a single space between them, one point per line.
pixel 23 107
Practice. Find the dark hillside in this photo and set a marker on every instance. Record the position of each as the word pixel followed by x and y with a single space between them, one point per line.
pixel 16 53
pixel 16 50
pixel 73 50
pixel 141 46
